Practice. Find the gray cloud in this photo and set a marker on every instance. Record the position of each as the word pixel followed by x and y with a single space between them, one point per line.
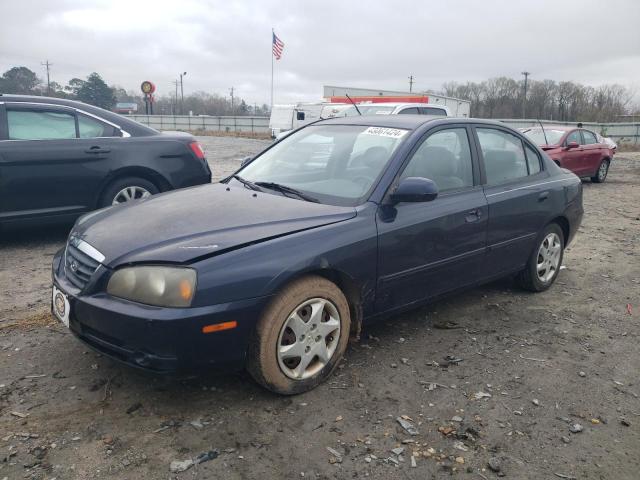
pixel 377 44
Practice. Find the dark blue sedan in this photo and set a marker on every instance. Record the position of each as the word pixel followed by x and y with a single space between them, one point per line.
pixel 341 223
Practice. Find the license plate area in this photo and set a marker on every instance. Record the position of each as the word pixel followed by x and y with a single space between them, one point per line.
pixel 60 305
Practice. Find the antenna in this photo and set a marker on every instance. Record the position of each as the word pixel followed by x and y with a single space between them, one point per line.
pixel 354 104
pixel 543 132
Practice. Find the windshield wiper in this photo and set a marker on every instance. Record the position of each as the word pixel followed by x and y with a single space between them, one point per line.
pixel 284 190
pixel 247 183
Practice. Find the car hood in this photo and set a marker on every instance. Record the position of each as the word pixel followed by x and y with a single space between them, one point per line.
pixel 184 225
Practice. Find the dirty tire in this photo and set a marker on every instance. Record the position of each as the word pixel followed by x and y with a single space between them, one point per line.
pixel 117 185
pixel 601 173
pixel 262 359
pixel 528 277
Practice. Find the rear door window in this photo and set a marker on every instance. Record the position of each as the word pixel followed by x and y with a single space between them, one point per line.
pixel 533 159
pixel 92 128
pixel 589 138
pixel 438 112
pixel 409 111
pixel 40 124
pixel 503 154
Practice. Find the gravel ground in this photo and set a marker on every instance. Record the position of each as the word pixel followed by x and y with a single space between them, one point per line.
pixel 506 385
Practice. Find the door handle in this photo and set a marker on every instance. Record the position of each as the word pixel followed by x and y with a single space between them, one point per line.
pixel 543 196
pixel 473 216
pixel 97 150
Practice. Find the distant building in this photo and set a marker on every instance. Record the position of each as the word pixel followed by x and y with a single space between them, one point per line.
pixel 457 107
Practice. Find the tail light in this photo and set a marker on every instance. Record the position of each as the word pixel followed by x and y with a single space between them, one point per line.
pixel 197 150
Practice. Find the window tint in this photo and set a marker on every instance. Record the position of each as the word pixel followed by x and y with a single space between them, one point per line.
pixel 589 138
pixel 433 111
pixel 40 125
pixel 504 158
pixel 445 158
pixel 574 137
pixel 533 160
pixel 92 128
pixel 409 111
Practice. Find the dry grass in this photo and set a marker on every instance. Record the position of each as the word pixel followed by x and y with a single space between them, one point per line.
pixel 38 320
pixel 628 147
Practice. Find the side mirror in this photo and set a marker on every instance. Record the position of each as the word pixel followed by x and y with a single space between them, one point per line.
pixel 300 115
pixel 245 160
pixel 571 145
pixel 414 189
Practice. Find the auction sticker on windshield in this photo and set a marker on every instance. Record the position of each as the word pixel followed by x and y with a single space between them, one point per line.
pixel 385 132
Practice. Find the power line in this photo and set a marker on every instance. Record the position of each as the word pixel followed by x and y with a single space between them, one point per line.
pixel 47 64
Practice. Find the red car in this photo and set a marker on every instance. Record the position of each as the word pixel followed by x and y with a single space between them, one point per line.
pixel 575 149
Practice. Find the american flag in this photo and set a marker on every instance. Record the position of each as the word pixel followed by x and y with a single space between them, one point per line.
pixel 277 46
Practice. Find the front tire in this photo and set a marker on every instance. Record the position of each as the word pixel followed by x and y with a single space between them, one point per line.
pixel 545 260
pixel 601 174
pixel 301 337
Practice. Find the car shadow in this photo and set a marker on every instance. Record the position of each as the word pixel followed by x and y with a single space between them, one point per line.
pixel 32 236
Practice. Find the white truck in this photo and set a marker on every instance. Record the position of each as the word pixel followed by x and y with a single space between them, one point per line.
pixel 289 117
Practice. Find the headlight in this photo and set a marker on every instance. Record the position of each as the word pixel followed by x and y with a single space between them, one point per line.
pixel 154 285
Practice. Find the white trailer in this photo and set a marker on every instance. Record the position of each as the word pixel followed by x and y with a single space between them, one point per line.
pixel 289 117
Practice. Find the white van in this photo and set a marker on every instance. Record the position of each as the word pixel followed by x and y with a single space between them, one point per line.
pixel 289 117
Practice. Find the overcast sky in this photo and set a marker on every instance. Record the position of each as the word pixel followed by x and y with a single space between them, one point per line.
pixel 370 43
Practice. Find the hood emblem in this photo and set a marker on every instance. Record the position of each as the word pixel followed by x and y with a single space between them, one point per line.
pixel 74 266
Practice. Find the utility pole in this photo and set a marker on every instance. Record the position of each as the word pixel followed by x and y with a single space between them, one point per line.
pixel 524 97
pixel 231 93
pixel 410 83
pixel 175 105
pixel 47 64
pixel 182 93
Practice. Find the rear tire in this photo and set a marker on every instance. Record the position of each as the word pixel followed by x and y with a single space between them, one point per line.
pixel 544 263
pixel 289 362
pixel 126 189
pixel 601 173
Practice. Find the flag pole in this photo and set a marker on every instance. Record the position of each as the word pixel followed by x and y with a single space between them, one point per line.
pixel 272 33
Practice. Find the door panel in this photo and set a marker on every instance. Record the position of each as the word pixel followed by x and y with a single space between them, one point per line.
pixel 518 195
pixel 593 153
pixel 574 159
pixel 425 249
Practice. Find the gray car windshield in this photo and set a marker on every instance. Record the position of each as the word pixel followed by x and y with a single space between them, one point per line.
pixel 335 164
pixel 537 136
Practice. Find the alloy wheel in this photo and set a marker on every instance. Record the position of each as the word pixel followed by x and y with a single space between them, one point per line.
pixel 308 339
pixel 603 170
pixel 130 193
pixel 548 257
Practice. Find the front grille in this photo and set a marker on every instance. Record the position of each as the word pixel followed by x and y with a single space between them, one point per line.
pixel 79 262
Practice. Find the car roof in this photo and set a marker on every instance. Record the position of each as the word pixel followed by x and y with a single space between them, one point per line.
pixel 562 128
pixel 408 122
pixel 130 126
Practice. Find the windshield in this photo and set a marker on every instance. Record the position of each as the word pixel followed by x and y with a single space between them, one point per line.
pixel 369 110
pixel 536 135
pixel 335 164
